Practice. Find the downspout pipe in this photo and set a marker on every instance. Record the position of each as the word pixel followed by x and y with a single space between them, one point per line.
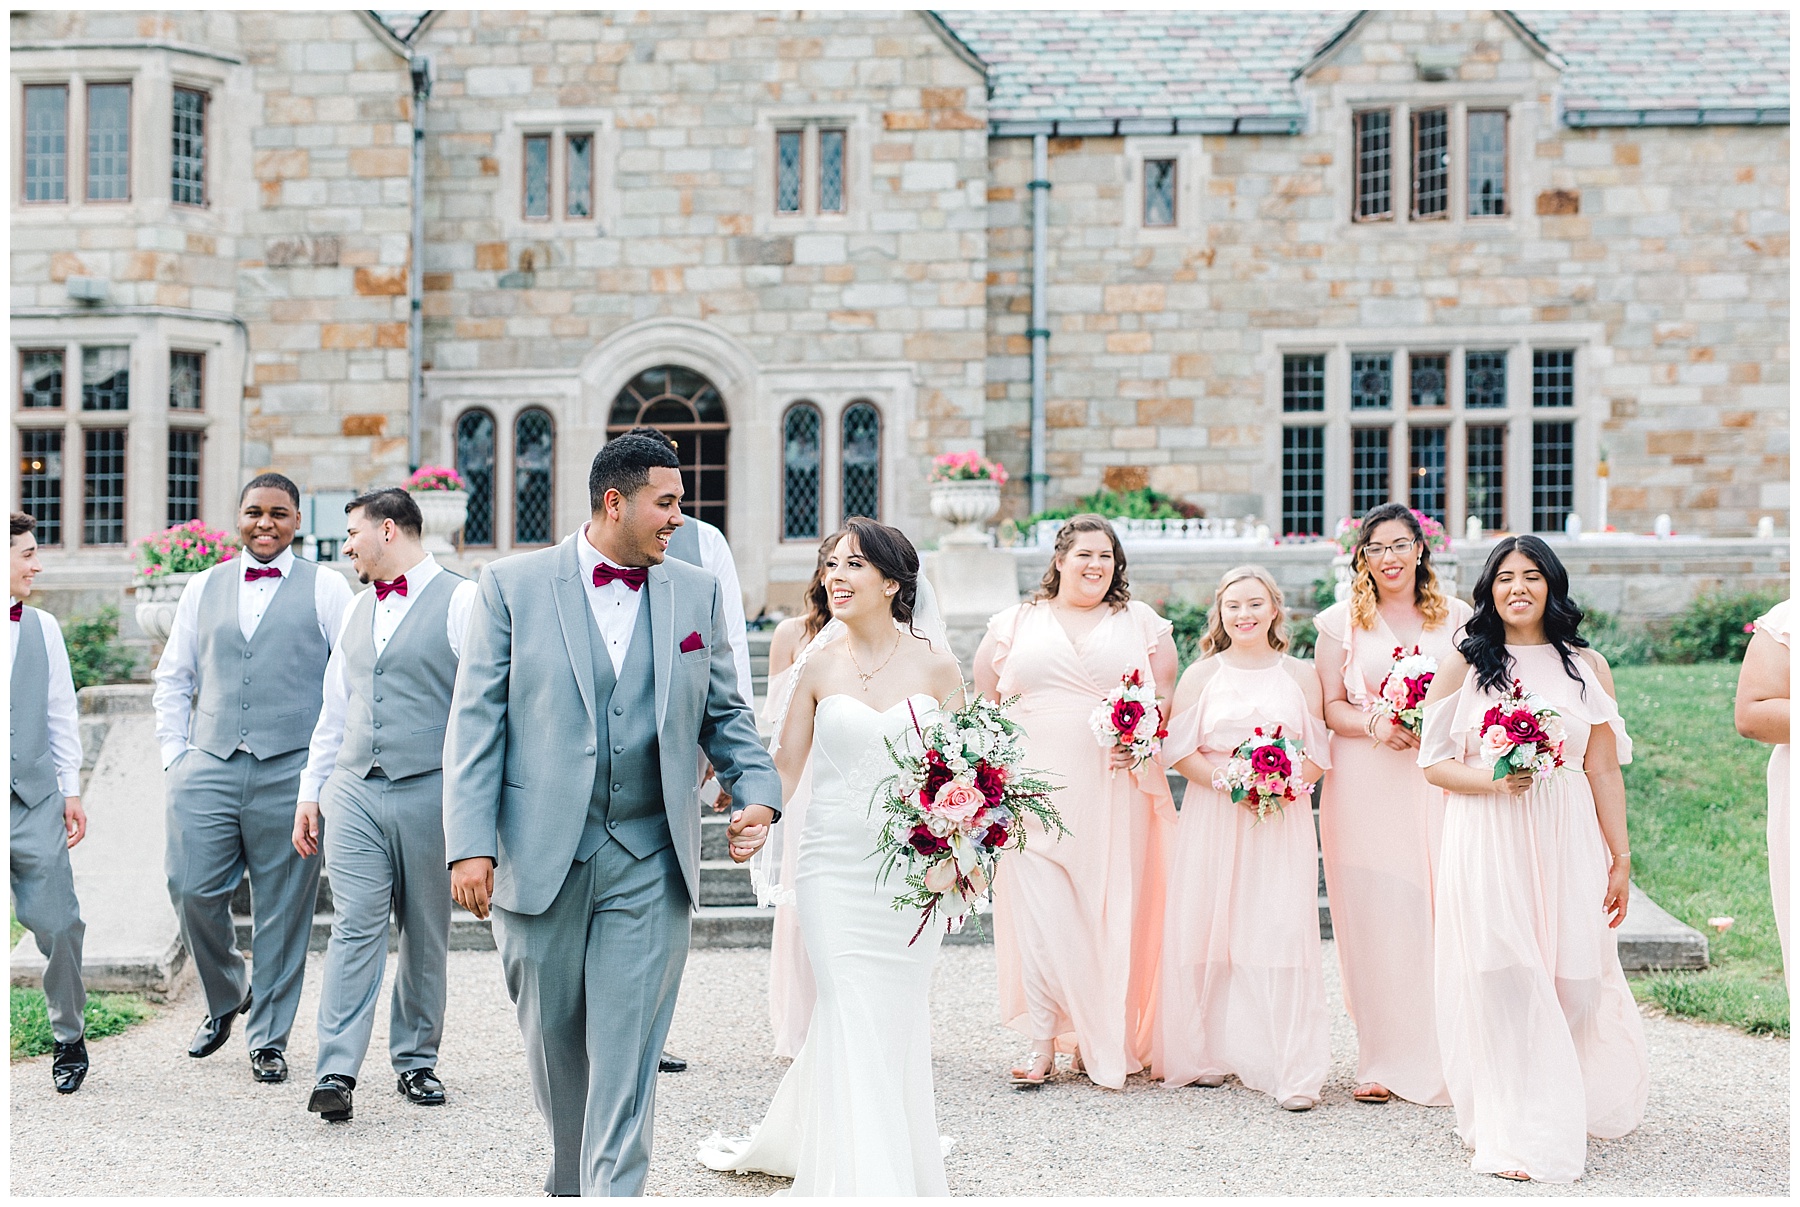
pixel 420 67
pixel 1040 322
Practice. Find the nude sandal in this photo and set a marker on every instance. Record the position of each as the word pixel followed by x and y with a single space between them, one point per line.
pixel 1024 1080
pixel 1372 1092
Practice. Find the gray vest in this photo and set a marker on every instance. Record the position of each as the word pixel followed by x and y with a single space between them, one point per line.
pixel 33 766
pixel 264 693
pixel 627 801
pixel 399 702
pixel 684 543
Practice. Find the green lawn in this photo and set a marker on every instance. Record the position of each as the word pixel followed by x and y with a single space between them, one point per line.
pixel 1697 806
pixel 106 1014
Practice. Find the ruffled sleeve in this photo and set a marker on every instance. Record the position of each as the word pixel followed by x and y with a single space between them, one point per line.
pixel 1334 622
pixel 1003 627
pixel 1184 735
pixel 1440 740
pixel 1774 623
pixel 1597 707
pixel 1152 628
pixel 1315 738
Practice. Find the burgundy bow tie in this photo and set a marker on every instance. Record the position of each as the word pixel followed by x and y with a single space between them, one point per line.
pixel 631 576
pixel 397 587
pixel 252 573
pixel 18 611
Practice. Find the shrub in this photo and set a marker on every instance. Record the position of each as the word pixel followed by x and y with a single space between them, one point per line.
pixel 1190 625
pixel 1324 593
pixel 1303 636
pixel 1716 628
pixel 1620 644
pixel 1141 504
pixel 95 653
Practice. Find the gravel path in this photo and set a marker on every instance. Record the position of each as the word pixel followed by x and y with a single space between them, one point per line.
pixel 152 1121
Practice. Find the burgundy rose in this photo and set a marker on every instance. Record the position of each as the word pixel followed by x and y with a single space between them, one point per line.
pixel 1125 716
pixel 936 776
pixel 925 842
pixel 1492 717
pixel 1270 760
pixel 1522 728
pixel 1416 689
pixel 995 837
pixel 990 781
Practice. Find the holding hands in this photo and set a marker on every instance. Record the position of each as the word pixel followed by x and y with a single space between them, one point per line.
pixel 749 829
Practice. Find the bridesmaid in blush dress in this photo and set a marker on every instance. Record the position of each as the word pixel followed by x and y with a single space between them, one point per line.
pixel 1077 919
pixel 1243 983
pixel 1379 820
pixel 1541 1040
pixel 1762 716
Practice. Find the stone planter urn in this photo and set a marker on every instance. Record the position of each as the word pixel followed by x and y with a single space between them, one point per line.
pixel 444 512
pixel 156 605
pixel 966 505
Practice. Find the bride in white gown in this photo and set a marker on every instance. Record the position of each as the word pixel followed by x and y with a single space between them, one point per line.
pixel 854 1114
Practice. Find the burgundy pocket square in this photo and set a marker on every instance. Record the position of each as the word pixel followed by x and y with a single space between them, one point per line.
pixel 692 642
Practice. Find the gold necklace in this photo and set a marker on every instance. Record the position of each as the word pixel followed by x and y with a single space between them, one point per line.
pixel 850 648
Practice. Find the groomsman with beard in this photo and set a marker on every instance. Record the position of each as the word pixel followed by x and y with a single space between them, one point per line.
pixel 374 782
pixel 237 695
pixel 47 817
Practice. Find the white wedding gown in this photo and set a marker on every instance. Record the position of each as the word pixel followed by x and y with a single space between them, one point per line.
pixel 854 1114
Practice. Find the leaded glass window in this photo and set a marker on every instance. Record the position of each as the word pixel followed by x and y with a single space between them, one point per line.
pixel 787 171
pixel 687 408
pixel 103 487
pixel 1303 481
pixel 800 464
pixel 109 142
pixel 1368 469
pixel 475 462
pixel 187 169
pixel 184 475
pixel 1552 475
pixel 831 171
pixel 1431 163
pixel 580 202
pixel 1553 377
pixel 537 176
pixel 105 379
pixel 41 377
pixel 1371 381
pixel 1487 476
pixel 1374 165
pixel 862 461
pixel 1426 482
pixel 41 481
pixel 47 143
pixel 1484 380
pixel 1159 192
pixel 1303 382
pixel 1430 378
pixel 187 370
pixel 1487 162
pixel 534 457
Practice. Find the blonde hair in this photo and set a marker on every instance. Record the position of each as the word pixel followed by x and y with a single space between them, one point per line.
pixel 1216 638
pixel 1428 597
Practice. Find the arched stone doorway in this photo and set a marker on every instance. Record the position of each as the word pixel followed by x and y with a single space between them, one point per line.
pixel 686 407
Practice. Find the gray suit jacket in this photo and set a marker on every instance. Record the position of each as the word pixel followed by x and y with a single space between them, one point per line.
pixel 519 753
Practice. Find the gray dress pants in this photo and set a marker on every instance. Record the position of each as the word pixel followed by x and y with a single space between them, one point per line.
pixel 594 978
pixel 383 842
pixel 227 816
pixel 43 889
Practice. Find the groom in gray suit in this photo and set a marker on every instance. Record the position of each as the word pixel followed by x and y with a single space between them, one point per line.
pixel 589 672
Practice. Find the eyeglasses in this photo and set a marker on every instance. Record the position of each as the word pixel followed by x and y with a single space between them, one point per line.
pixel 1375 553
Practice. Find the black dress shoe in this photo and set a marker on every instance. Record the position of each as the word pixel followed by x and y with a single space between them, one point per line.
pixel 422 1087
pixel 330 1099
pixel 268 1064
pixel 670 1063
pixel 215 1031
pixel 69 1066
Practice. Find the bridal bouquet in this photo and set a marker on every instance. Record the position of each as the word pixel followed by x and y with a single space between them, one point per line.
pixel 1401 696
pixel 1266 769
pixel 957 799
pixel 1120 719
pixel 1521 733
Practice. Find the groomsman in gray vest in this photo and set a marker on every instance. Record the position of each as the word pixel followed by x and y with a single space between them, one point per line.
pixel 374 780
pixel 237 695
pixel 47 818
pixel 589 673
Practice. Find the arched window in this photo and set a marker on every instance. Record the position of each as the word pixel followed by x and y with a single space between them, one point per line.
pixel 534 455
pixel 862 461
pixel 800 472
pixel 475 462
pixel 684 406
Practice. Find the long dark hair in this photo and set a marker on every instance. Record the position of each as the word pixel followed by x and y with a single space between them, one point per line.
pixel 1484 642
pixel 884 548
pixel 1118 594
pixel 818 603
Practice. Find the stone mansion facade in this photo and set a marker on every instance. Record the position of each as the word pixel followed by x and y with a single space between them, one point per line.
pixel 1288 264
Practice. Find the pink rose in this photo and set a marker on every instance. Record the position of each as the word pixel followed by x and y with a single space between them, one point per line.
pixel 958 802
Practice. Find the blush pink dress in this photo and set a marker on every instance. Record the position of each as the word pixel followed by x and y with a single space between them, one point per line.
pixel 1078 920
pixel 1541 1040
pixel 1243 982
pixel 791 988
pixel 1774 622
pixel 1379 823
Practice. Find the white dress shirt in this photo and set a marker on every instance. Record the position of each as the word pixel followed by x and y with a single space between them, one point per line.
pixel 65 716
pixel 328 734
pixel 177 672
pixel 615 606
